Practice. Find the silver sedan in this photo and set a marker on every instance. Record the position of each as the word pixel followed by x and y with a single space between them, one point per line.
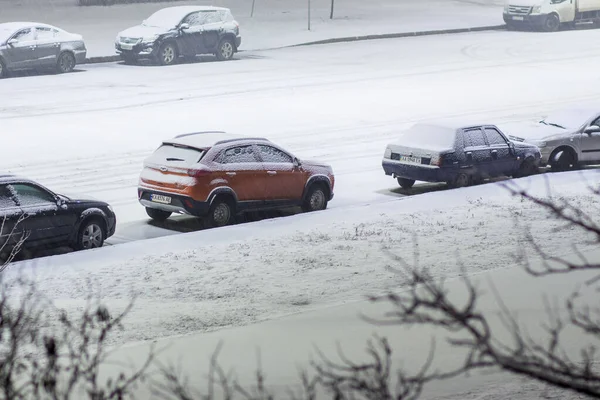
pixel 30 45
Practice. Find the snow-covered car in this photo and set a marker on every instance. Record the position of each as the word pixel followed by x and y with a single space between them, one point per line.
pixel 215 175
pixel 32 45
pixel 458 154
pixel 566 138
pixel 32 216
pixel 182 31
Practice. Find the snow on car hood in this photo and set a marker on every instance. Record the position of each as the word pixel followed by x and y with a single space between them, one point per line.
pixel 142 31
pixel 533 131
pixel 79 197
pixel 315 163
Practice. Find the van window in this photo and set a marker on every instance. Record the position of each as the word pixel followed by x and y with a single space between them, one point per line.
pixel 494 137
pixel 474 138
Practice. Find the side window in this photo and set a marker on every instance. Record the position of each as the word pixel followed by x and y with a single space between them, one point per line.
pixel 240 154
pixel 494 137
pixel 596 122
pixel 272 155
pixel 29 195
pixel 6 198
pixel 473 138
pixel 193 19
pixel 45 33
pixel 25 35
pixel 211 17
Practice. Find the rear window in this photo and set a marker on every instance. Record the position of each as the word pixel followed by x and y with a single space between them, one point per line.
pixel 169 154
pixel 428 137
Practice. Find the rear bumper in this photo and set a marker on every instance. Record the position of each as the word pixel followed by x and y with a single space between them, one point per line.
pixel 80 56
pixel 417 172
pixel 238 42
pixel 179 204
pixel 536 21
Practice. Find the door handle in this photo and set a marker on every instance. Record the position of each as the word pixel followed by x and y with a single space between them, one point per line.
pixel 231 173
pixel 494 153
pixel 272 172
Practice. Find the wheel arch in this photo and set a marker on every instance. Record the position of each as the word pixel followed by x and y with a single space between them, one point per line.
pixel 222 192
pixel 563 147
pixel 230 36
pixel 87 215
pixel 317 180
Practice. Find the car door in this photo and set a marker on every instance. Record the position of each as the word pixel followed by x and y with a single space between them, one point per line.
pixel 477 154
pixel 48 46
pixel 284 180
pixel 11 224
pixel 44 219
pixel 20 50
pixel 590 143
pixel 503 161
pixel 191 42
pixel 213 25
pixel 242 171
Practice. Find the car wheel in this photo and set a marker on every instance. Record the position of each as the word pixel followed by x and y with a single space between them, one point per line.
pixel 316 199
pixel 129 60
pixel 220 213
pixel 405 183
pixel 226 50
pixel 461 180
pixel 167 54
pixel 562 160
pixel 91 235
pixel 551 23
pixel 157 215
pixel 65 63
pixel 526 168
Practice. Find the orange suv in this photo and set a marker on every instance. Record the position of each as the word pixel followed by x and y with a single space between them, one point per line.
pixel 215 175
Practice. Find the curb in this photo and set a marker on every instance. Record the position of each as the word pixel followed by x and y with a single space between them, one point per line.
pixel 114 58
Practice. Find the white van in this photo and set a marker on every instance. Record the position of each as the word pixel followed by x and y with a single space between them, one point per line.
pixel 549 15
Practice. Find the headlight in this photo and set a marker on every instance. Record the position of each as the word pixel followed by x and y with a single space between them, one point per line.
pixel 149 39
pixel 536 9
pixel 539 143
pixel 506 7
pixel 118 39
pixel 388 153
pixel 110 209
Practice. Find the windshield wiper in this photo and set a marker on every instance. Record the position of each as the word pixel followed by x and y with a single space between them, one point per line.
pixel 552 124
pixel 174 159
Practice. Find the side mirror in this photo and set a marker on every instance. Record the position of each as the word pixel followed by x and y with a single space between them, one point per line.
pixel 592 129
pixel 184 27
pixel 297 163
pixel 12 42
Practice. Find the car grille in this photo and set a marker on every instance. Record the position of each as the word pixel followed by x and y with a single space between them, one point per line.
pixel 128 40
pixel 519 10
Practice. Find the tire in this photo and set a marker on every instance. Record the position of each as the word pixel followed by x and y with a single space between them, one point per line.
pixel 157 215
pixel 226 50
pixel 167 54
pixel 461 180
pixel 405 183
pixel 316 199
pixel 526 168
pixel 551 23
pixel 129 60
pixel 65 63
pixel 91 235
pixel 3 70
pixel 220 213
pixel 566 160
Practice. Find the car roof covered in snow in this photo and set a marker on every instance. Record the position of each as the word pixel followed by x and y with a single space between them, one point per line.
pixel 14 26
pixel 204 140
pixel 184 10
pixel 8 178
pixel 453 125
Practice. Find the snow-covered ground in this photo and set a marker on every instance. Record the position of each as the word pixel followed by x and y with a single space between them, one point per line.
pixel 89 131
pixel 275 22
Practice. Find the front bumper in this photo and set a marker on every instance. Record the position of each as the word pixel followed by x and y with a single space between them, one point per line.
pixel 111 225
pixel 546 153
pixel 179 204
pixel 536 20
pixel 138 51
pixel 425 173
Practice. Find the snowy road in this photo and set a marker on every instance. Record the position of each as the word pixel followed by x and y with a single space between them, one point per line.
pixel 88 132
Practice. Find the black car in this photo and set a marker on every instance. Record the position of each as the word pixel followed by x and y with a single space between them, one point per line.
pixel 458 154
pixel 183 31
pixel 45 219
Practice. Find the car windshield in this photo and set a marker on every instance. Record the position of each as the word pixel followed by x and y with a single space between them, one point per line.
pixel 5 33
pixel 428 136
pixel 182 156
pixel 572 119
pixel 166 18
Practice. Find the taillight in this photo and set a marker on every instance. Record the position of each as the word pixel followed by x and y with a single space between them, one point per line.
pixel 198 172
pixel 439 160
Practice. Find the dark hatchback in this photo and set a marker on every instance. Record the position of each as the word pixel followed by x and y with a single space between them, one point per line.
pixel 44 219
pixel 458 154
pixel 183 31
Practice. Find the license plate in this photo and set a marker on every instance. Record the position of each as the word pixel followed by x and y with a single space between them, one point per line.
pixel 158 198
pixel 517 18
pixel 415 160
pixel 126 46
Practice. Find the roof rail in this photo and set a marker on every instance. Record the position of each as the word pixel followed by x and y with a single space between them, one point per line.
pixel 197 133
pixel 240 139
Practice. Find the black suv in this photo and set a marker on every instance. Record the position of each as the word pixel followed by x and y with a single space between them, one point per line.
pixel 44 219
pixel 183 31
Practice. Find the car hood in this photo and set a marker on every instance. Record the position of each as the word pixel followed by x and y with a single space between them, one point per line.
pixel 80 198
pixel 533 131
pixel 315 163
pixel 142 31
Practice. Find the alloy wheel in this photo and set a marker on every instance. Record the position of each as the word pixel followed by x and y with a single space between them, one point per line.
pixel 91 237
pixel 226 50
pixel 66 63
pixel 317 200
pixel 168 54
pixel 221 214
